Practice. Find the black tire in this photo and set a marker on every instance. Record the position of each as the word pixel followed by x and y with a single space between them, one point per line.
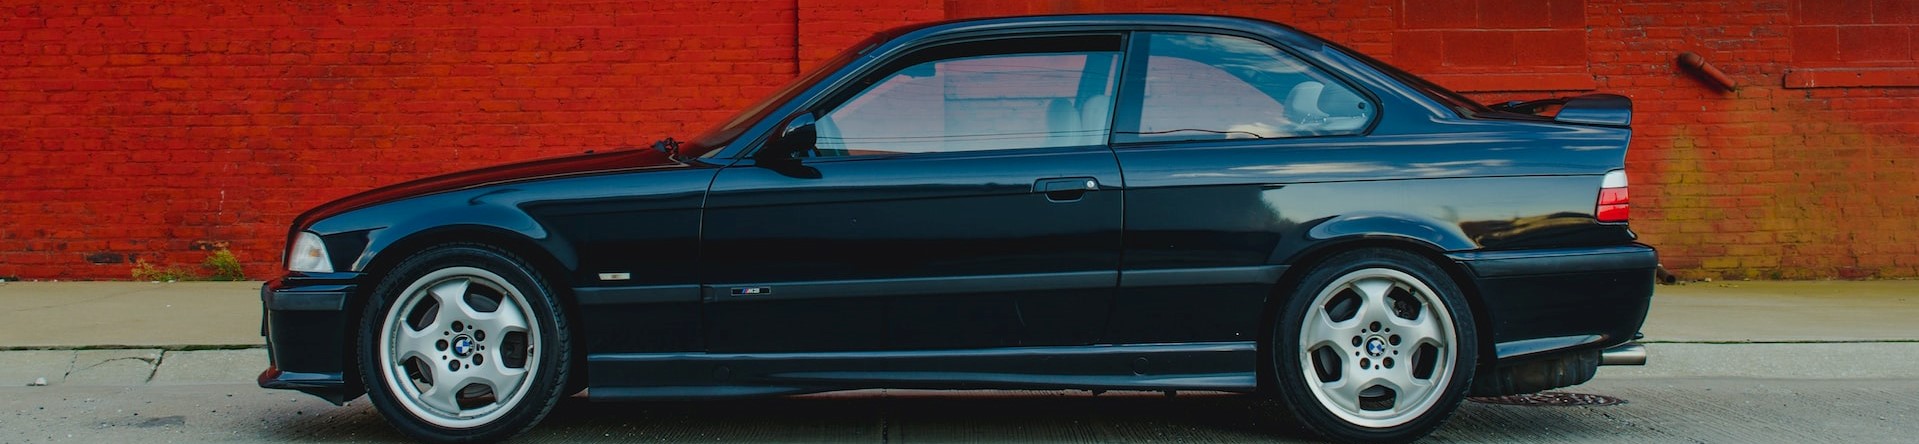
pixel 406 307
pixel 1314 375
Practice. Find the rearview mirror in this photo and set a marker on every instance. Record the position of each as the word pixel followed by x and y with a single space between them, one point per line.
pixel 796 136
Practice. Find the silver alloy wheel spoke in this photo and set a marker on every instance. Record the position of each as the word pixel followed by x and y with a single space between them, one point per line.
pixel 1346 388
pixel 1373 305
pixel 422 344
pixel 1423 330
pixel 453 306
pixel 444 394
pixel 508 318
pixel 1365 350
pixel 1408 387
pixel 1322 331
pixel 498 377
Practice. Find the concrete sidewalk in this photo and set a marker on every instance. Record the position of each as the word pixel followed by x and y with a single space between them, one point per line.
pixel 70 315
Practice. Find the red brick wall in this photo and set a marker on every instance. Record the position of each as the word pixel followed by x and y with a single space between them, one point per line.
pixel 140 130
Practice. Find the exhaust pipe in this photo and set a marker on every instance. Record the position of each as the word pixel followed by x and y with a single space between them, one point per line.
pixel 1630 353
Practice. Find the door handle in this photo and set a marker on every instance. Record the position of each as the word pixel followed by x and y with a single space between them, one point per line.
pixel 1065 189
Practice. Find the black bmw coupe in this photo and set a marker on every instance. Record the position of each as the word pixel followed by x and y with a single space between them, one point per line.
pixel 1093 202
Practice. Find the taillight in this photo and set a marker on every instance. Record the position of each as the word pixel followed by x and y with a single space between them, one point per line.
pixel 1612 198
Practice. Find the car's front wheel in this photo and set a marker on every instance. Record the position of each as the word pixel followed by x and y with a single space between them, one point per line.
pixel 463 343
pixel 1374 345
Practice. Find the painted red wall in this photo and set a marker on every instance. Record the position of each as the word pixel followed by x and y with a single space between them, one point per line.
pixel 151 131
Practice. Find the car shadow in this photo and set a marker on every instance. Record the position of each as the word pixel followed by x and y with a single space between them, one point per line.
pixel 950 416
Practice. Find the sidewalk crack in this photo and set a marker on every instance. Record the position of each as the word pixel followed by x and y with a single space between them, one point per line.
pixel 73 359
pixel 155 371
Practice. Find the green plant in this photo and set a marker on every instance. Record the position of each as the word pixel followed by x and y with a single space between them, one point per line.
pixel 144 271
pixel 220 265
pixel 223 266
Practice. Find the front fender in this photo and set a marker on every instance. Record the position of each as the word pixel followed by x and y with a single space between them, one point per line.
pixel 493 212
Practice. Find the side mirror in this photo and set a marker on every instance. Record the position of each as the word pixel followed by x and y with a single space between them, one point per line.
pixel 796 136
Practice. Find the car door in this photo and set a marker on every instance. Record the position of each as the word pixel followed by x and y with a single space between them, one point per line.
pixel 960 195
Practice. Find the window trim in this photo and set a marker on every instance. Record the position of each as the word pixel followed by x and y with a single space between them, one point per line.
pixel 1133 110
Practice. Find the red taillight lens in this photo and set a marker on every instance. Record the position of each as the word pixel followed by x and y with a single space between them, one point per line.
pixel 1613 205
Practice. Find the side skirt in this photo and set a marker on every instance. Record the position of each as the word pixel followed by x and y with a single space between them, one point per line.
pixel 1215 366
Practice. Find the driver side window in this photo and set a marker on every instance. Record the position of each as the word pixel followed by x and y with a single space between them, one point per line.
pixel 975 102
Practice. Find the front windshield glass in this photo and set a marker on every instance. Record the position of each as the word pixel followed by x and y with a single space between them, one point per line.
pixel 726 132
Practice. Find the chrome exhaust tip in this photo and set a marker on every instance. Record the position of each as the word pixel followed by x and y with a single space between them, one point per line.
pixel 1630 353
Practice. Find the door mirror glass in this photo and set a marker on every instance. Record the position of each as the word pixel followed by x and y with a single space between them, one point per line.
pixel 798 135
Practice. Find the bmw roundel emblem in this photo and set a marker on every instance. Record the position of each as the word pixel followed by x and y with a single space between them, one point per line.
pixel 1375 347
pixel 462 346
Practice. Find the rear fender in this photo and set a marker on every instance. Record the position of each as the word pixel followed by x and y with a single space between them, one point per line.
pixel 1427 232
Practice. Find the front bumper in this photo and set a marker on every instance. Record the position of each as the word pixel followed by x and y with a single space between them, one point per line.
pixel 309 336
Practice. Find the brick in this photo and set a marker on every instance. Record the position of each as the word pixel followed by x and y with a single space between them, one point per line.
pixel 1479 48
pixel 1835 12
pixel 1815 44
pixel 1551 48
pixel 1515 14
pixel 1418 49
pixel 1887 12
pixel 1875 43
pixel 1438 14
pixel 1568 13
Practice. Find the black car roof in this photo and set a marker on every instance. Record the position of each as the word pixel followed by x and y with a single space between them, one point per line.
pixel 1119 21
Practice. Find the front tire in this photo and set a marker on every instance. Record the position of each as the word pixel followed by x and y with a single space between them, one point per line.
pixel 1374 345
pixel 463 343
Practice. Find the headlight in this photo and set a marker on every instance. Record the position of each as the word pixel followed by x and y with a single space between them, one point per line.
pixel 308 255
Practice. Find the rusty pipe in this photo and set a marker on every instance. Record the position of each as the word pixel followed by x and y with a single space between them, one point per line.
pixel 1699 67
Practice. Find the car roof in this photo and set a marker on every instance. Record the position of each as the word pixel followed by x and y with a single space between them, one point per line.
pixel 1278 31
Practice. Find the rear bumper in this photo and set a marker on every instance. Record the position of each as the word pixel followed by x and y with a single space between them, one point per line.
pixel 1546 302
pixel 306 324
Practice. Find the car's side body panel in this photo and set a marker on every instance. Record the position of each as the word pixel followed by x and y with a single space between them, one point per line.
pixel 725 277
pixel 918 252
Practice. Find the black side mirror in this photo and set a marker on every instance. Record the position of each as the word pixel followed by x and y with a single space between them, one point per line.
pixel 796 136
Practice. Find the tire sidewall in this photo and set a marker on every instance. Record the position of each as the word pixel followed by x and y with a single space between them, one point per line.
pixel 543 391
pixel 1292 380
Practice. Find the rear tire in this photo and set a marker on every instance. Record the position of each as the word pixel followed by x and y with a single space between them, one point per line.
pixel 463 343
pixel 1374 345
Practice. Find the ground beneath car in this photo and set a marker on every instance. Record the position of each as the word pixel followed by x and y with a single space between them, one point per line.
pixel 1838 392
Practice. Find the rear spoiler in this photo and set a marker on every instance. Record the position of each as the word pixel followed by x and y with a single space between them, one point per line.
pixel 1591 109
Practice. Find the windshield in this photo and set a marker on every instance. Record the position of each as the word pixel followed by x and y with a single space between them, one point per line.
pixel 726 132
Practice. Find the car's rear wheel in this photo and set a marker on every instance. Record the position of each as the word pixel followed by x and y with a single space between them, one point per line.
pixel 1374 345
pixel 463 343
